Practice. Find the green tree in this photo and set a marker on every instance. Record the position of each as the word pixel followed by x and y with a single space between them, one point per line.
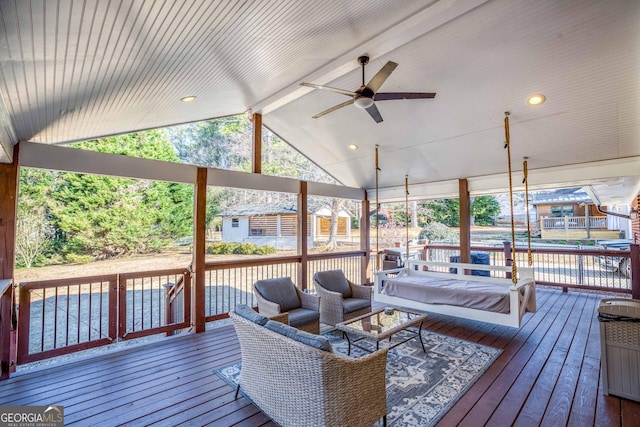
pixel 33 234
pixel 444 211
pixel 281 159
pixel 435 231
pixel 222 143
pixel 484 209
pixel 107 216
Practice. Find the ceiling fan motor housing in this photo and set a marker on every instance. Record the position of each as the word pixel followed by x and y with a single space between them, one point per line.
pixel 366 96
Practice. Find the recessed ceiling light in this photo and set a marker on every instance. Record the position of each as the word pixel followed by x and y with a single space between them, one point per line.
pixel 536 99
pixel 188 98
pixel 353 147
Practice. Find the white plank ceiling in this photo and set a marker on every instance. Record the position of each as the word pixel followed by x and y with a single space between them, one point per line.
pixel 75 70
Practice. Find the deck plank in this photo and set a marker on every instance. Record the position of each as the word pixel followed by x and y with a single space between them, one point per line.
pixel 559 407
pixel 540 393
pixel 514 359
pixel 548 373
pixel 509 408
pixel 509 335
pixel 584 402
pixel 630 412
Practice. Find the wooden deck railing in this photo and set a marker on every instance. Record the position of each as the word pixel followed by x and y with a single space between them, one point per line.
pixel 61 316
pixel 565 268
pixel 142 303
pixel 7 326
pixel 228 283
pixel 178 301
pixel 231 282
pixel 349 262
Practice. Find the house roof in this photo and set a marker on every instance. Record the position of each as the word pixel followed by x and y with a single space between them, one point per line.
pixel 79 70
pixel 561 196
pixel 260 209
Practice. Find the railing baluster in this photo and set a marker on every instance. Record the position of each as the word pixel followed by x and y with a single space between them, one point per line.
pixel 235 284
pixel 100 308
pixel 44 296
pixel 55 321
pixel 151 281
pixel 90 326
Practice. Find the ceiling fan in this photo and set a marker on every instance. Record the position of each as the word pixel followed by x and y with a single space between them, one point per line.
pixel 365 96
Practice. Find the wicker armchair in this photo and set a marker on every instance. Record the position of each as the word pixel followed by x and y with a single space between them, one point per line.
pixel 297 385
pixel 279 296
pixel 340 299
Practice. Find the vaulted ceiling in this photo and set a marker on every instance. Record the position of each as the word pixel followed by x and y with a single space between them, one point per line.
pixel 75 70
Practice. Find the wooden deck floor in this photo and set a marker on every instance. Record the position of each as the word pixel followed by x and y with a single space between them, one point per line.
pixel 548 374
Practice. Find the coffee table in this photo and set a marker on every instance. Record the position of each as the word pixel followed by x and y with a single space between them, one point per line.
pixel 378 326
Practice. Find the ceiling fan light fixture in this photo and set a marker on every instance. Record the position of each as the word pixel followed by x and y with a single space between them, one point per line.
pixel 536 99
pixel 363 102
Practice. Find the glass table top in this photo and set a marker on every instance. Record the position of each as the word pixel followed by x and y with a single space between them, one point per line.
pixel 380 323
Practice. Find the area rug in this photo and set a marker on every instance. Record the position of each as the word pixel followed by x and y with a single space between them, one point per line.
pixel 421 387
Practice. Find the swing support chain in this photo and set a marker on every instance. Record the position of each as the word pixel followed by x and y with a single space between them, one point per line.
pixel 507 145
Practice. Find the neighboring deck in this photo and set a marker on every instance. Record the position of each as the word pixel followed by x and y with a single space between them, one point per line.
pixel 547 374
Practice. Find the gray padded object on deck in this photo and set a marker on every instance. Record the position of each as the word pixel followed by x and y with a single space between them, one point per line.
pixel 334 281
pixel 317 341
pixel 354 304
pixel 249 314
pixel 282 291
pixel 302 316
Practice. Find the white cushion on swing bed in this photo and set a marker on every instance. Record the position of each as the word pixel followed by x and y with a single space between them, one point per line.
pixel 485 296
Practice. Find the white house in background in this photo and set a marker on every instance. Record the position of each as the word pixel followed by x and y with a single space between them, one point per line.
pixel 276 224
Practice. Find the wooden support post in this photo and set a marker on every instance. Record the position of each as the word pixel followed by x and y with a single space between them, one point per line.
pixel 198 256
pixel 303 232
pixel 635 271
pixel 9 174
pixel 465 221
pixel 365 242
pixel 8 214
pixel 508 262
pixel 7 335
pixel 257 143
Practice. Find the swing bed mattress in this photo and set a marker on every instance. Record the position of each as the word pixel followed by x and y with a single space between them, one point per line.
pixel 485 296
pixel 448 288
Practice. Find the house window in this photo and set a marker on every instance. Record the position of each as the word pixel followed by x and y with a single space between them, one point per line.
pixel 235 222
pixel 562 211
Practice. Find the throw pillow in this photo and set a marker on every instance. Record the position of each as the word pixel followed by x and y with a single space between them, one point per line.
pixel 312 340
pixel 248 313
pixel 281 290
pixel 334 281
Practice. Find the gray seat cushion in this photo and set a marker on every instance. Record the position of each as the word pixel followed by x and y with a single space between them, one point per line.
pixel 316 341
pixel 354 304
pixel 334 281
pixel 282 291
pixel 303 316
pixel 248 313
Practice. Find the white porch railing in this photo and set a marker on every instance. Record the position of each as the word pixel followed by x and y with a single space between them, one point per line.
pixel 574 223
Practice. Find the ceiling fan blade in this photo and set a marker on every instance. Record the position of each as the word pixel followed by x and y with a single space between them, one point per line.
pixel 380 77
pixel 334 108
pixel 332 89
pixel 385 96
pixel 374 113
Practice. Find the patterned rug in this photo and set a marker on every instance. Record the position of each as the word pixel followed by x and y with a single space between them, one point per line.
pixel 421 387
